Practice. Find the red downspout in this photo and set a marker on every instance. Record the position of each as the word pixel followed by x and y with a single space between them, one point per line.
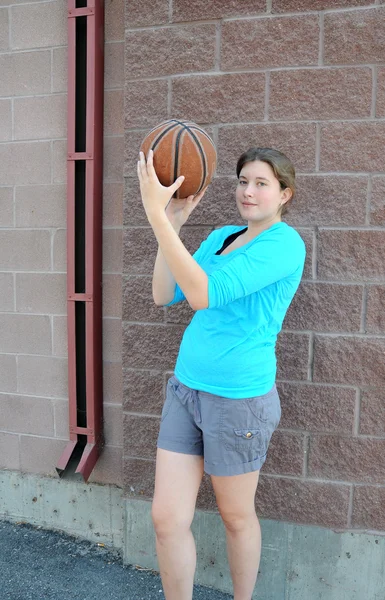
pixel 93 157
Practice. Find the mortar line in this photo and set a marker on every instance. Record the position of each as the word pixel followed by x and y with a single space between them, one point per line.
pixel 321 53
pixel 51 70
pixel 218 40
pixel 10 28
pixel 246 70
pixel 323 481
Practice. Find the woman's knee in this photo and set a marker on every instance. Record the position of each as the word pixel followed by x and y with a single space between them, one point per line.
pixel 235 523
pixel 167 522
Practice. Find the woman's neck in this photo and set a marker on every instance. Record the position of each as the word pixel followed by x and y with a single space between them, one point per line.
pixel 254 228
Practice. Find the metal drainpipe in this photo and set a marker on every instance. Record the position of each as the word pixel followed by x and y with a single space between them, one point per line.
pixel 84 236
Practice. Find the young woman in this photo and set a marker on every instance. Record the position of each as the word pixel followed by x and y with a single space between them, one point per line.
pixel 222 405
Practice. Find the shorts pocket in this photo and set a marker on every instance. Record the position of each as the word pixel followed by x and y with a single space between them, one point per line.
pixel 266 408
pixel 249 439
pixel 246 426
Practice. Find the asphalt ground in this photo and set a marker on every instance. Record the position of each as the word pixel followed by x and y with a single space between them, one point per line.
pixel 40 564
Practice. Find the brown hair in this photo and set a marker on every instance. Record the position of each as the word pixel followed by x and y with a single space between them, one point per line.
pixel 282 167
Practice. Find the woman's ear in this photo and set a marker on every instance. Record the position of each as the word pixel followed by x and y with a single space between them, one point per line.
pixel 286 196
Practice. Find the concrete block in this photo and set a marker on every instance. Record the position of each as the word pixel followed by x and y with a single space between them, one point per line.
pixel 49 117
pixel 43 376
pixel 25 334
pixel 41 206
pixel 25 163
pixel 6 292
pixel 6 207
pixel 5 120
pixel 41 293
pixel 4 29
pixel 25 73
pixel 30 20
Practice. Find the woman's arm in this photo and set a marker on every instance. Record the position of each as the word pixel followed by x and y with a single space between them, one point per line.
pixel 163 281
pixel 190 277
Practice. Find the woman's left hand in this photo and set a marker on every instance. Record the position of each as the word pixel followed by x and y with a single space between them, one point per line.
pixel 155 196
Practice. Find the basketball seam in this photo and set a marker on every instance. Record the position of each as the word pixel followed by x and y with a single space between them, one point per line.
pixel 176 154
pixel 203 157
pixel 161 135
pixel 201 131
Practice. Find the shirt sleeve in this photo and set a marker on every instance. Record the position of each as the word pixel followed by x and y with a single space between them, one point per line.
pixel 199 256
pixel 270 259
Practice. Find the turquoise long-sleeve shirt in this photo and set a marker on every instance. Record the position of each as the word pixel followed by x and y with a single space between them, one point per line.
pixel 228 349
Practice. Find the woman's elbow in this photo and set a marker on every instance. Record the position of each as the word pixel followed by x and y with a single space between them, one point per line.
pixel 199 303
pixel 160 301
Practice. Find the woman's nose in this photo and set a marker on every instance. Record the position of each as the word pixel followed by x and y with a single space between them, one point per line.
pixel 248 191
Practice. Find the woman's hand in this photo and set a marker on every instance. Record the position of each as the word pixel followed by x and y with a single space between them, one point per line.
pixel 178 211
pixel 155 196
pixel 158 199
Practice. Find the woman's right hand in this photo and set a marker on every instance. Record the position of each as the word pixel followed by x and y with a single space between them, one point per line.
pixel 178 211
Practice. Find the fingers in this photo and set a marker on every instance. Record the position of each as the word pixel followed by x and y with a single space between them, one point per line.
pixel 150 166
pixel 141 167
pixel 139 171
pixel 146 170
pixel 176 184
pixel 199 196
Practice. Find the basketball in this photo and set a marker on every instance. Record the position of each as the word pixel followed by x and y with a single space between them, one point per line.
pixel 181 148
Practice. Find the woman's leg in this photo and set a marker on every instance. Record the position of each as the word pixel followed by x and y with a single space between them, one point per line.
pixel 235 498
pixel 177 480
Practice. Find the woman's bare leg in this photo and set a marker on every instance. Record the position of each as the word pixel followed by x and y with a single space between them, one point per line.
pixel 177 480
pixel 235 498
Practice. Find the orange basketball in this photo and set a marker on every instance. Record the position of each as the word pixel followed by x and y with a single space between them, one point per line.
pixel 181 148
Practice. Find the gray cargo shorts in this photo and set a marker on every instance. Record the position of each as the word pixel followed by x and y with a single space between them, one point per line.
pixel 232 435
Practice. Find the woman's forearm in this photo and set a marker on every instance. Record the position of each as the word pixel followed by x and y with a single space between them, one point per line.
pixel 190 277
pixel 163 281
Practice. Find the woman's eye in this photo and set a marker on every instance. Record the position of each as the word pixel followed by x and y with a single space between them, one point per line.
pixel 245 183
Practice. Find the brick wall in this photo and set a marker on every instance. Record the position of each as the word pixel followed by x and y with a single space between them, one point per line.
pixel 33 309
pixel 307 78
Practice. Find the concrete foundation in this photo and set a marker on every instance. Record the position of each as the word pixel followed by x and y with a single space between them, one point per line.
pixel 298 562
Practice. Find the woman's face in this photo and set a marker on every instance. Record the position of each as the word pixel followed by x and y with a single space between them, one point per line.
pixel 258 193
